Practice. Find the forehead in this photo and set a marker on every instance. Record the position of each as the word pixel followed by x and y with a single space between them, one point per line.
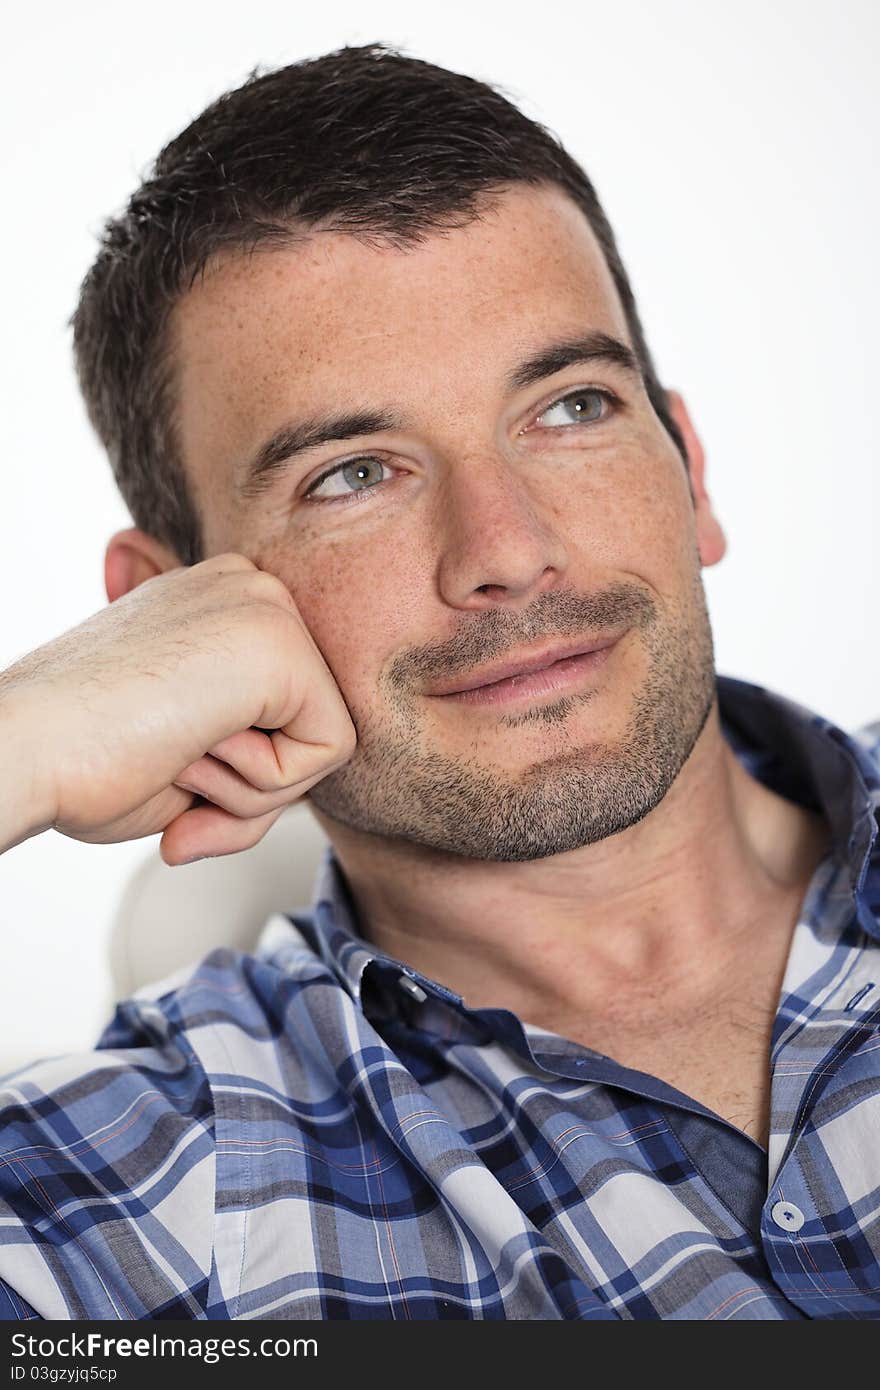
pixel 331 322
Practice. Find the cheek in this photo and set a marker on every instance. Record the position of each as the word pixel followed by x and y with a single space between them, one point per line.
pixel 648 518
pixel 358 602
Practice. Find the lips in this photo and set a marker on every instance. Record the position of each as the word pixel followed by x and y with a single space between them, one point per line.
pixel 524 664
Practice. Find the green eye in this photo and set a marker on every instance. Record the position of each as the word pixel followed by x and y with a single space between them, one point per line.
pixel 587 405
pixel 352 471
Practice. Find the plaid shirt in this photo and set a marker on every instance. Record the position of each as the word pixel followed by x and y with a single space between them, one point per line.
pixel 318 1131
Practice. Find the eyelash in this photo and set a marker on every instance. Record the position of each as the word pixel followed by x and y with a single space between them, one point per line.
pixel 609 397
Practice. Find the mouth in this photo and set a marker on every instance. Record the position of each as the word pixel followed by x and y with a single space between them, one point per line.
pixel 553 676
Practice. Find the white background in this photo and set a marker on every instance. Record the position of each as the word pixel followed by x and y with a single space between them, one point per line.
pixel 734 149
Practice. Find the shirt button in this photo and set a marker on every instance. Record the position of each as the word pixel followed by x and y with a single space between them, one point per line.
pixel 415 991
pixel 788 1216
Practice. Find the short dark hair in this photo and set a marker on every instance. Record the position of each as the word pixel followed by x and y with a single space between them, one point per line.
pixel 364 140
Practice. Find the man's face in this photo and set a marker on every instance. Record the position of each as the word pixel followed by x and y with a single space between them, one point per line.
pixel 490 517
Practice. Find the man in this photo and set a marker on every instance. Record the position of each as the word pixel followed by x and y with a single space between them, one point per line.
pixel 581 1023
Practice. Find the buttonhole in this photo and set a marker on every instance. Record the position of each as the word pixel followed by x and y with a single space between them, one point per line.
pixel 856 997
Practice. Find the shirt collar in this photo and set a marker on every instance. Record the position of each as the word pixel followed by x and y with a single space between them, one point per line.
pixel 785 745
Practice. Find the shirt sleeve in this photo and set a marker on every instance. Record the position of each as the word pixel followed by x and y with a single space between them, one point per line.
pixel 107 1177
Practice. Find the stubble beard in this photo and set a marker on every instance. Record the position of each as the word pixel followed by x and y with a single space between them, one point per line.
pixel 399 788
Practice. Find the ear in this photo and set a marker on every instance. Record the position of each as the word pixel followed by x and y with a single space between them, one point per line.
pixel 132 557
pixel 710 537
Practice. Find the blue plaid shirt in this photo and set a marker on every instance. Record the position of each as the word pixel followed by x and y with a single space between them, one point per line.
pixel 318 1131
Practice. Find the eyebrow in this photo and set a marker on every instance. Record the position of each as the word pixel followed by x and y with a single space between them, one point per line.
pixel 296 437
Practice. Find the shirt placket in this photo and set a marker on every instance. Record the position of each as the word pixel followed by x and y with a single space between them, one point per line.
pixel 811 1222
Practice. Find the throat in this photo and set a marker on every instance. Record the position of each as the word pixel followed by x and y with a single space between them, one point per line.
pixel 708 1039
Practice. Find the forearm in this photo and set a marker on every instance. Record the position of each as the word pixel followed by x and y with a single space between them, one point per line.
pixel 24 803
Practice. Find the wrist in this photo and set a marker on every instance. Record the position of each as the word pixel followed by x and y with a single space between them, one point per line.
pixel 26 804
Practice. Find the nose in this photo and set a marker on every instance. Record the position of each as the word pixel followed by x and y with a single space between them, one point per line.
pixel 499 537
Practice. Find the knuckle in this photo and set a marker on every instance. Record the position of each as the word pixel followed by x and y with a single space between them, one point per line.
pixel 341 751
pixel 347 734
pixel 230 560
pixel 270 586
pixel 273 782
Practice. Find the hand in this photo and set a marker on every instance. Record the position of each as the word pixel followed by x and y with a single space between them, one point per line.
pixel 203 682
